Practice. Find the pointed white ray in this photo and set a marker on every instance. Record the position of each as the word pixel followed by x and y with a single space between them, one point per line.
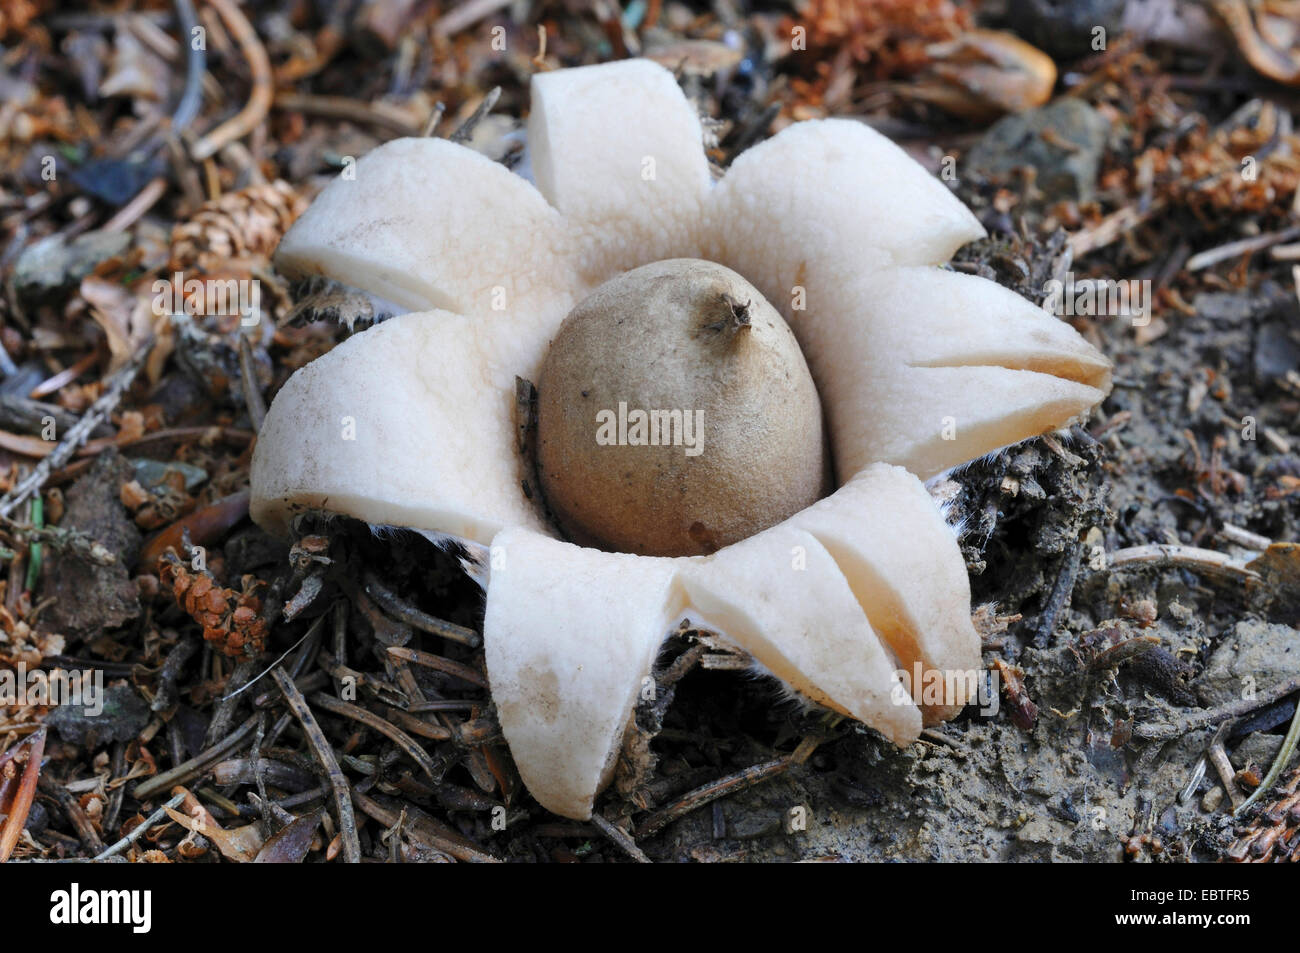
pixel 928 369
pixel 428 224
pixel 903 564
pixel 409 423
pixel 569 635
pixel 619 151
pixel 780 596
pixel 826 200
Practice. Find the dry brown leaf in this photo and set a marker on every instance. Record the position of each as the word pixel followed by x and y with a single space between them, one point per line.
pixel 292 843
pixel 1280 568
pixel 134 71
pixel 127 318
pixel 240 845
pixel 24 445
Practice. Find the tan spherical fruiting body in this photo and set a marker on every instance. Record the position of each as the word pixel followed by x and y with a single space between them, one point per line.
pixel 676 414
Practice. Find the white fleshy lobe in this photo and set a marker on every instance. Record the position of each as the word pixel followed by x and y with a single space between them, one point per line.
pixel 619 151
pixel 902 562
pixel 428 224
pixel 927 368
pixel 826 650
pixel 566 677
pixel 824 201
pixel 410 423
pixel 832 603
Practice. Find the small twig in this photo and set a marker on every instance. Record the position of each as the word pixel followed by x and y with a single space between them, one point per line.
pixel 400 670
pixel 354 110
pixel 183 167
pixel 385 692
pixel 478 731
pixel 421 829
pixel 273 810
pixel 259 774
pixel 141 829
pixel 1193 781
pixel 63 378
pixel 1219 758
pixel 325 755
pixel 467 127
pixel 539 58
pixel 1158 555
pixel 1058 448
pixel 1244 537
pixel 438 663
pixel 144 200
pixel 1062 590
pixel 417 727
pixel 339 622
pixel 391 603
pixel 682 666
pixel 72 811
pixel 248 381
pixel 197 765
pixel 306 797
pixel 1115 656
pixel 435 117
pixel 172 665
pixel 175 743
pixel 1244 706
pixel 708 793
pixel 312 629
pixel 77 435
pixel 21 802
pixel 289 776
pixel 28 416
pixel 259 101
pixel 466 14
pixel 443 704
pixel 1244 246
pixel 187 107
pixel 938 737
pixel 224 714
pixel 1110 228
pixel 621 838
pixel 279 727
pixel 117 770
pixel 393 837
pixel 62 538
pixel 1279 763
pixel 389 731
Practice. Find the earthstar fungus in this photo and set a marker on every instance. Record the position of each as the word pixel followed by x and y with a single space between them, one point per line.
pixel 411 422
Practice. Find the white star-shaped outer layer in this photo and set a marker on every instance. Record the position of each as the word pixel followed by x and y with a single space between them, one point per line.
pixel 411 423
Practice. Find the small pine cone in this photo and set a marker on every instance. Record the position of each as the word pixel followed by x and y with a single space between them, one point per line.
pixel 889 35
pixel 16 14
pixel 231 621
pixel 1273 833
pixel 243 226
